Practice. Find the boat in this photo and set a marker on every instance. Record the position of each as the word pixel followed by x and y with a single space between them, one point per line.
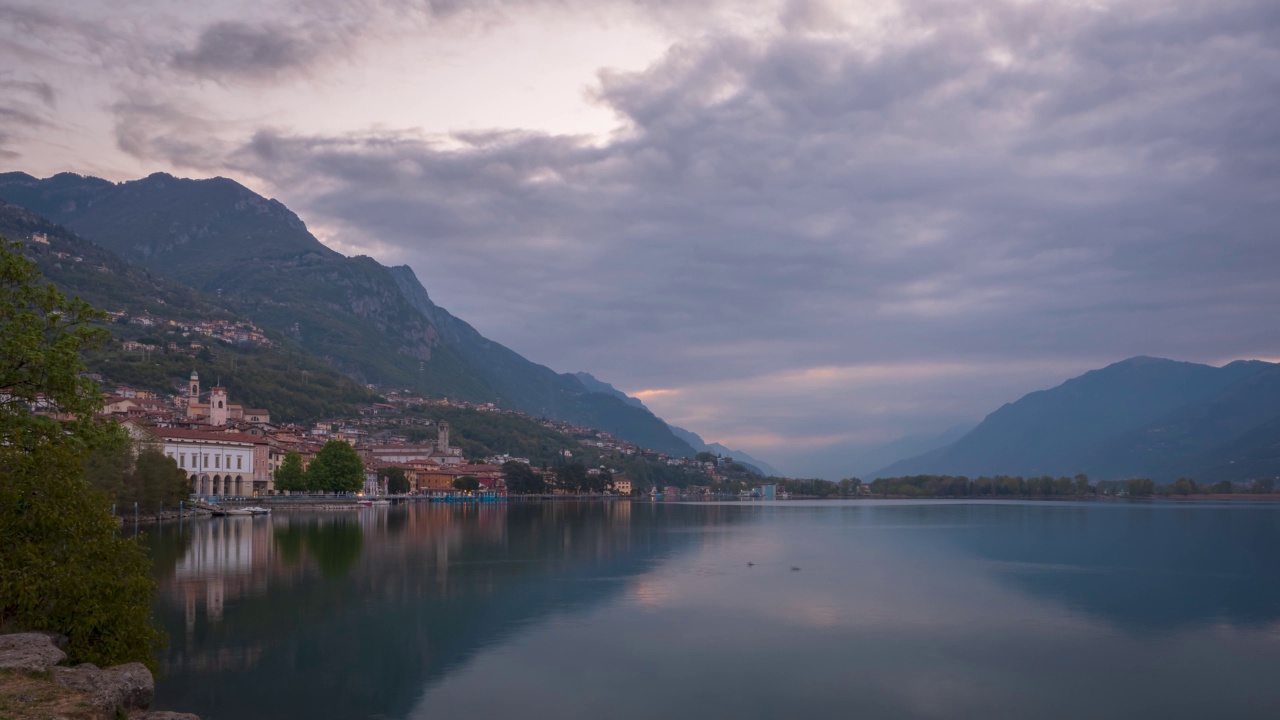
pixel 256 510
pixel 239 512
pixel 368 502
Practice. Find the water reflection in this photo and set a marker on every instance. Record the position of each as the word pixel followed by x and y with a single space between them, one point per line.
pixel 353 613
pixel 896 610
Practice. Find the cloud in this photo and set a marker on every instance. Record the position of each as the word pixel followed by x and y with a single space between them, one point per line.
pixel 794 196
pixel 237 49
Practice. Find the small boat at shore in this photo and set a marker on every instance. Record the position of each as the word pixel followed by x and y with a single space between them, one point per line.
pixel 368 502
pixel 257 510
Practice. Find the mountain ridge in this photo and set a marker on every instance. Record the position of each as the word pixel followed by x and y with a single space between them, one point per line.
pixel 365 319
pixel 1140 417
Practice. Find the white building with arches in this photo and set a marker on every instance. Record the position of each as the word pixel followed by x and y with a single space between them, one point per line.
pixel 218 463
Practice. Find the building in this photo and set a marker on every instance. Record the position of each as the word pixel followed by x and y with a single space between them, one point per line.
pixel 621 485
pixel 218 463
pixel 214 412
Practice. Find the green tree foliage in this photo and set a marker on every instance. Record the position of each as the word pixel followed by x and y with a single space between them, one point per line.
pixel 1222 488
pixel 336 468
pixel 466 483
pixel 130 474
pixel 521 479
pixel 572 477
pixel 1184 486
pixel 295 387
pixel 397 481
pixel 997 486
pixel 811 487
pixel 290 476
pixel 602 480
pixel 63 566
pixel 1265 486
pixel 156 482
pixel 1140 487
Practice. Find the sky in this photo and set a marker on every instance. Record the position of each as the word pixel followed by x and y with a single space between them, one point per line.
pixel 800 228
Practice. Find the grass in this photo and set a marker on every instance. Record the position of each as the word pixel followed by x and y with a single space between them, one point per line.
pixel 35 696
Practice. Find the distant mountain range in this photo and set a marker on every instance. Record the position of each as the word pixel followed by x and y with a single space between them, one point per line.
pixel 1142 417
pixel 594 384
pixel 375 324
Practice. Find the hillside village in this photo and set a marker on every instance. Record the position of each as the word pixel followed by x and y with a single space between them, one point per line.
pixel 227 449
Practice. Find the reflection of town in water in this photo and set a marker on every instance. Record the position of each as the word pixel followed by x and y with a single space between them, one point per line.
pixel 258 596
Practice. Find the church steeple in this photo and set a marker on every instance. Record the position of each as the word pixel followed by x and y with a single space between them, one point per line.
pixel 193 387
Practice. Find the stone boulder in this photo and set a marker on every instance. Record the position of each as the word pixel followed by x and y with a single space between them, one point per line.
pixel 123 687
pixel 29 652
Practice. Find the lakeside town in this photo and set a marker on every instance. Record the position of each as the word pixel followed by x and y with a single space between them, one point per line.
pixel 229 450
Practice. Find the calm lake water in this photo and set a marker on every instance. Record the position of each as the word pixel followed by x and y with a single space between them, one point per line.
pixel 873 609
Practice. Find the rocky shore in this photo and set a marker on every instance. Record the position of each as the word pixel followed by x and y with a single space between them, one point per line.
pixel 34 685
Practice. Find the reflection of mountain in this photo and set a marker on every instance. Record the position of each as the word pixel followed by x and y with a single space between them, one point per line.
pixel 1157 566
pixel 432 585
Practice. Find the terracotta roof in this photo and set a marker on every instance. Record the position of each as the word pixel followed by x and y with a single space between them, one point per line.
pixel 182 434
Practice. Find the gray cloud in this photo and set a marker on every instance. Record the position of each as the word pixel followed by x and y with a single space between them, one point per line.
pixel 826 236
pixel 238 49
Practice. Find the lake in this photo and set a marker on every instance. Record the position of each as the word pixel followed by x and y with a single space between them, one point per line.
pixel 872 608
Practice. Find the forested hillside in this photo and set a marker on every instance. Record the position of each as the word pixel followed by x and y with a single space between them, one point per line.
pixel 278 376
pixel 371 323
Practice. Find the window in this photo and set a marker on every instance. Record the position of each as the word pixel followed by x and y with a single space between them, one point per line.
pixel 217 461
pixel 238 459
pixel 182 459
pixel 206 459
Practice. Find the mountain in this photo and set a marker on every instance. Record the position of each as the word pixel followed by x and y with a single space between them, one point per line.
pixel 759 466
pixel 278 375
pixel 372 323
pixel 594 384
pixel 537 389
pixel 1142 417
pixel 863 461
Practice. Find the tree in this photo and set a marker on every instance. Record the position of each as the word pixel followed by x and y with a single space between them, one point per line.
pixel 1140 487
pixel 397 481
pixel 466 483
pixel 156 482
pixel 572 476
pixel 290 477
pixel 336 468
pixel 131 474
pixel 64 568
pixel 521 479
pixel 1222 488
pixel 1184 486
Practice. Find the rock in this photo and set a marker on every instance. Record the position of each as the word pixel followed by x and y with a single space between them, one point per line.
pixel 127 687
pixel 165 715
pixel 29 652
pixel 59 641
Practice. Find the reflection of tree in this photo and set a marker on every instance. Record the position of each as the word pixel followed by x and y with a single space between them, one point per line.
pixel 289 539
pixel 167 544
pixel 335 546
